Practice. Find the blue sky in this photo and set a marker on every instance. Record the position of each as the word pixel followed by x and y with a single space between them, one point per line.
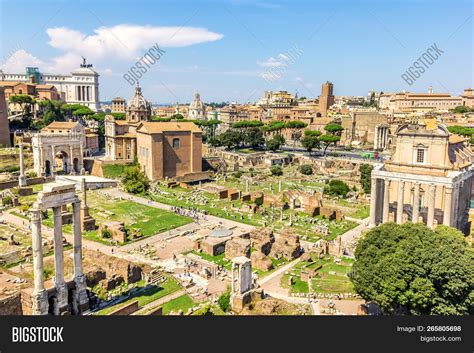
pixel 227 50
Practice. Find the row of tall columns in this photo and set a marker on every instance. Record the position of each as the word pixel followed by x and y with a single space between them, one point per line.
pixel 40 298
pixel 381 137
pixel 430 200
pixel 84 93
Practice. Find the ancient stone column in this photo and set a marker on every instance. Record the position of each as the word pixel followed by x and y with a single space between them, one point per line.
pixel 22 177
pixel 39 297
pixel 247 185
pixel 431 206
pixel 386 200
pixel 53 161
pixel 279 185
pixel 79 278
pixel 71 163
pixel 373 201
pixel 401 192
pixel 416 204
pixel 59 283
pixel 448 204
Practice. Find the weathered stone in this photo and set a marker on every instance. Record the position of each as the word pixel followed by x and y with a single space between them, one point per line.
pixel 236 247
pixel 260 261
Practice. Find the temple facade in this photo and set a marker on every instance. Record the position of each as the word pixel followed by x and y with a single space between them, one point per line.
pixel 428 179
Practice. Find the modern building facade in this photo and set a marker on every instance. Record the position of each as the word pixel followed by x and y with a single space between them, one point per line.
pixel 428 179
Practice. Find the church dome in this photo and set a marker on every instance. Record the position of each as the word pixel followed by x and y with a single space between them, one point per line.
pixel 138 101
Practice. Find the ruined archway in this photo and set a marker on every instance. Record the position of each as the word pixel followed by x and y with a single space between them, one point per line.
pixel 62 162
pixel 47 168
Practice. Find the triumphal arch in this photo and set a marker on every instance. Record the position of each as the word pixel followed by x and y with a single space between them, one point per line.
pixel 59 148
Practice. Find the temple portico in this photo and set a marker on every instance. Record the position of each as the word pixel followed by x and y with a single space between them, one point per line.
pixel 427 180
pixel 416 198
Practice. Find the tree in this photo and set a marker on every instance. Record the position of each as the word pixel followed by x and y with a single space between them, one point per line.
pixel 310 140
pixel 230 139
pixel 336 188
pixel 413 269
pixel 275 143
pixel 328 140
pixel 306 169
pixel 254 137
pixel 177 117
pixel 365 177
pixel 26 103
pixel 295 127
pixel 276 170
pixel 134 181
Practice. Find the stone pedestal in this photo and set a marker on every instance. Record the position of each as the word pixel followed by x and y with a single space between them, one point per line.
pixel 40 303
pixel 238 301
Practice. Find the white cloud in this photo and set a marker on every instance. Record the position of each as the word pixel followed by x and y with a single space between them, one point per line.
pixel 280 61
pixel 126 41
pixel 106 45
pixel 19 60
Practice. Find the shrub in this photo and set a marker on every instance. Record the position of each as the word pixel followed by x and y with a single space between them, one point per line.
pixel 135 182
pixel 224 301
pixel 336 188
pixel 238 174
pixel 276 170
pixel 7 201
pixel 306 169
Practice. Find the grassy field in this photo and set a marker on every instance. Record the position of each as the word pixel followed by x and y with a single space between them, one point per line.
pixel 222 208
pixel 148 220
pixel 146 295
pixel 183 302
pixel 115 171
pixel 331 277
pixel 24 238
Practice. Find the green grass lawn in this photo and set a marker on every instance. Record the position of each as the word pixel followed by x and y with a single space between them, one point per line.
pixel 183 302
pixel 218 259
pixel 149 220
pixel 115 171
pixel 146 295
pixel 338 282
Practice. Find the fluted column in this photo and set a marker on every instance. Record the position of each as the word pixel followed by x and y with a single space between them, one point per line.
pixel 386 201
pixel 22 177
pixel 53 161
pixel 416 204
pixel 373 201
pixel 79 278
pixel 59 283
pixel 448 205
pixel 431 206
pixel 401 192
pixel 39 297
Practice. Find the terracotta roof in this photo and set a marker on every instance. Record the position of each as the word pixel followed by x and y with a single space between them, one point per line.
pixel 62 125
pixel 159 127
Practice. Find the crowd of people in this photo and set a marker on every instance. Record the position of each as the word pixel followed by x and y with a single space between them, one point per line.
pixel 191 212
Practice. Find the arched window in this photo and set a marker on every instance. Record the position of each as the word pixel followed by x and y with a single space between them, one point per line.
pixel 175 143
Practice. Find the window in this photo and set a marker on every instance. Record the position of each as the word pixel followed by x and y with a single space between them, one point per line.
pixel 175 143
pixel 420 155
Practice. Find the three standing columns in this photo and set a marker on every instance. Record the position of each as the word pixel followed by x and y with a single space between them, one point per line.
pixel 80 302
